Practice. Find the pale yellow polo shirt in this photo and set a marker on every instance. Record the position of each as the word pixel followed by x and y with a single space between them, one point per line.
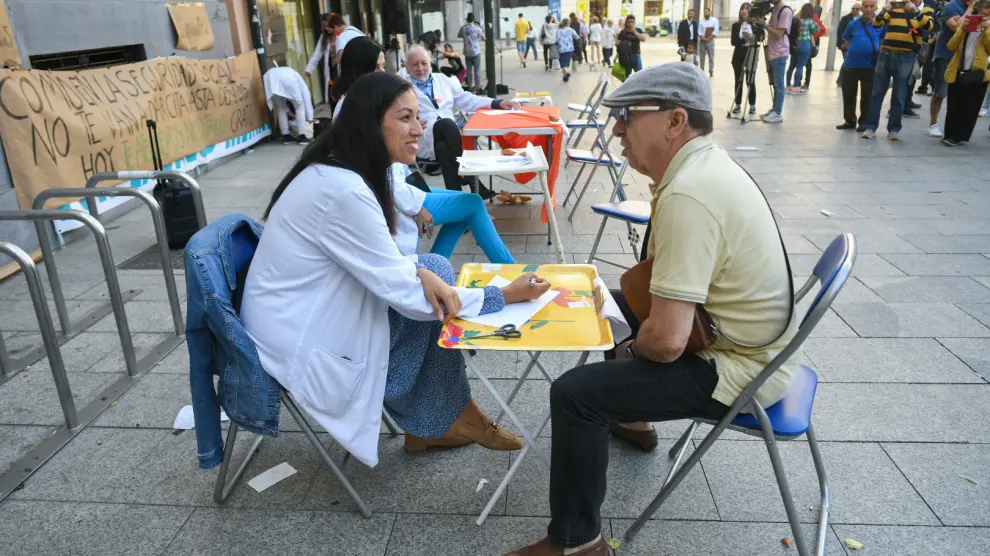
pixel 714 242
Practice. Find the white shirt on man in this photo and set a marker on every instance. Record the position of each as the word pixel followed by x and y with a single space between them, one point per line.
pixel 711 22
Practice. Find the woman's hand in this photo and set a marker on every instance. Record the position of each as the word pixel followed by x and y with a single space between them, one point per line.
pixel 444 299
pixel 425 221
pixel 523 289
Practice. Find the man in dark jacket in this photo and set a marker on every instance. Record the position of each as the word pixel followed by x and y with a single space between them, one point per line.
pixel 843 23
pixel 687 37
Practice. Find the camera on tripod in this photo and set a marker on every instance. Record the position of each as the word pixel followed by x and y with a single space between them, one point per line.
pixel 761 8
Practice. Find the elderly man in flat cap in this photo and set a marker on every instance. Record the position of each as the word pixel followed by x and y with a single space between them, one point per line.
pixel 714 243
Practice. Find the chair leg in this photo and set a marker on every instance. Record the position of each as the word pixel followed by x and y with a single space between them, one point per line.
pixel 781 475
pixel 519 384
pixel 573 186
pixel 816 456
pixel 672 483
pixel 676 448
pixel 584 189
pixel 598 239
pixel 393 429
pixel 290 404
pixel 686 437
pixel 221 490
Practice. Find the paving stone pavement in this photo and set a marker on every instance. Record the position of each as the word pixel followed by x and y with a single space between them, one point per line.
pixel 904 358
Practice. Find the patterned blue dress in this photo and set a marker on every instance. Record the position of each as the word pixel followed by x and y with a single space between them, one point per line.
pixel 427 386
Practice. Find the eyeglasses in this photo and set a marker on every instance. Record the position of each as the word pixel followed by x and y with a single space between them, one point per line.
pixel 625 112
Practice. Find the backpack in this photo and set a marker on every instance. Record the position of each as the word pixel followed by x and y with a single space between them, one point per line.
pixel 794 33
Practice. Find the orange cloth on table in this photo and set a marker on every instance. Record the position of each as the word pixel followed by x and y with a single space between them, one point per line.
pixel 536 117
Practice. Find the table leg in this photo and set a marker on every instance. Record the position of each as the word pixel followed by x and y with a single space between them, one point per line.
pixel 552 217
pixel 512 472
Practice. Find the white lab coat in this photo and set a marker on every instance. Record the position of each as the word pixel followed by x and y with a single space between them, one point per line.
pixel 286 82
pixel 449 96
pixel 326 56
pixel 408 202
pixel 316 299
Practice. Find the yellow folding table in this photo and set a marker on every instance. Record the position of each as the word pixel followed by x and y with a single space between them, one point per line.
pixel 573 321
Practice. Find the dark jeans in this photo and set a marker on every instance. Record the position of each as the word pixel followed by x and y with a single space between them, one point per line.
pixel 851 79
pixel 962 109
pixel 546 55
pixel 738 61
pixel 893 71
pixel 607 55
pixel 447 146
pixel 582 403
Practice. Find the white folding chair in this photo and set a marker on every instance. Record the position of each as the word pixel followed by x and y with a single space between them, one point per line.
pixel 788 419
pixel 587 108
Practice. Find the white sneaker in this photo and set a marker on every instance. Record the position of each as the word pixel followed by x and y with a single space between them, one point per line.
pixel 934 131
pixel 767 113
pixel 868 134
pixel 984 112
pixel 772 118
pixel 893 136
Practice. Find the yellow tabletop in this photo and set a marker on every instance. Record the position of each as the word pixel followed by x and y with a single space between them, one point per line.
pixel 571 322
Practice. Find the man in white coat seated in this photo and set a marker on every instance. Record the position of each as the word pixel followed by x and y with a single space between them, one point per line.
pixel 282 86
pixel 438 96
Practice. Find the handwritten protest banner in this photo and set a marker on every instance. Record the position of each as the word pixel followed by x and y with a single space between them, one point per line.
pixel 192 26
pixel 59 128
pixel 9 55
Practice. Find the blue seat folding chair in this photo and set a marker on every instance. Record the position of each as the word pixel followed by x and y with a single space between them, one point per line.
pixel 788 419
pixel 243 252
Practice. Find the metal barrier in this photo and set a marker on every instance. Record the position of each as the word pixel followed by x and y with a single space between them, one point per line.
pixel 47 331
pixel 106 258
pixel 156 218
pixel 185 178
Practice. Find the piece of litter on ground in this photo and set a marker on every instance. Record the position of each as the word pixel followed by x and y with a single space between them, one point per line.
pixel 826 212
pixel 113 404
pixel 853 544
pixel 278 473
pixel 614 543
pixel 968 478
pixel 184 420
pixel 747 149
pixel 481 484
pixel 786 542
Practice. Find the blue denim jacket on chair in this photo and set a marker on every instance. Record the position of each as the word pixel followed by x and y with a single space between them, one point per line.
pixel 219 344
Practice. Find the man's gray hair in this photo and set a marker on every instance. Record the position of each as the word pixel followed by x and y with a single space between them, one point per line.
pixel 420 49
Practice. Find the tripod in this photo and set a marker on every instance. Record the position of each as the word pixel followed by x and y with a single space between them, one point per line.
pixel 749 79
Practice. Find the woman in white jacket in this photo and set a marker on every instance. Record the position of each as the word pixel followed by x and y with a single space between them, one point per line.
pixel 331 303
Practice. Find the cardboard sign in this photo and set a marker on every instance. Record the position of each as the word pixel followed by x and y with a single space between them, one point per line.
pixel 61 127
pixel 192 25
pixel 9 55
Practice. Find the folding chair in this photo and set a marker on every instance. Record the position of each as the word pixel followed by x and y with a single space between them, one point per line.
pixel 788 419
pixel 587 108
pixel 592 121
pixel 243 252
pixel 624 210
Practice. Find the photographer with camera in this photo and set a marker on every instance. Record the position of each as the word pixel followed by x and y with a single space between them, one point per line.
pixel 778 50
pixel 861 43
pixel 951 18
pixel 745 38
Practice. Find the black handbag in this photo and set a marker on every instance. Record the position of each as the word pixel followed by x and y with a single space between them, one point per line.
pixel 967 77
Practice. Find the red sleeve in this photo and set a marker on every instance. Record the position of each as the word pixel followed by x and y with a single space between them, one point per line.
pixel 821 27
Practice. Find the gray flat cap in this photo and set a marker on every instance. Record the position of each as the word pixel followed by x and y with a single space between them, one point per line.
pixel 678 83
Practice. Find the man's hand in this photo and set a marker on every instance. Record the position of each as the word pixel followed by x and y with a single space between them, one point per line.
pixel 425 222
pixel 510 105
pixel 308 75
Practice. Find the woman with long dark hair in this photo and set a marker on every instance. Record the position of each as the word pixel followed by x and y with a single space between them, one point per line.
pixel 742 38
pixel 340 317
pixel 422 209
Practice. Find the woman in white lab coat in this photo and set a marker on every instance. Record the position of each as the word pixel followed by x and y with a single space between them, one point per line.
pixel 438 97
pixel 327 288
pixel 421 211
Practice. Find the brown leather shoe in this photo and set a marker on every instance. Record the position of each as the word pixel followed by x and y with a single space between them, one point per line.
pixel 644 440
pixel 462 433
pixel 546 548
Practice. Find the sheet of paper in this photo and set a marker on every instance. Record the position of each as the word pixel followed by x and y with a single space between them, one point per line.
pixel 610 310
pixel 516 314
pixel 274 475
pixel 185 421
pixel 495 162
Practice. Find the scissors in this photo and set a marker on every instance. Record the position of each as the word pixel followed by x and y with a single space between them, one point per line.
pixel 507 331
